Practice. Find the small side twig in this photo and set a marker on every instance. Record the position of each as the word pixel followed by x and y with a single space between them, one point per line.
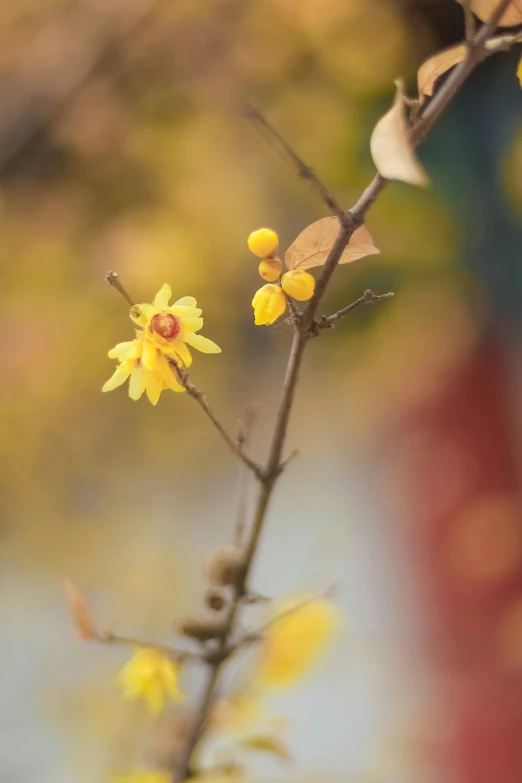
pixel 234 445
pixel 470 24
pixel 113 279
pixel 367 298
pixel 128 641
pixel 276 140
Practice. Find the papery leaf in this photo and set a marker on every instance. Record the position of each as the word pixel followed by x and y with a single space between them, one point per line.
pixel 391 148
pixel 81 613
pixel 312 246
pixel 437 65
pixel 267 744
pixel 484 9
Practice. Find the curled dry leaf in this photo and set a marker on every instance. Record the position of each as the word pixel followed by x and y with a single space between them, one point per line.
pixel 267 744
pixel 391 148
pixel 312 246
pixel 81 613
pixel 437 65
pixel 484 8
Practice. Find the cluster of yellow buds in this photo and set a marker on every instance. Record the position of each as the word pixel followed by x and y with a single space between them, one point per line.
pixel 270 300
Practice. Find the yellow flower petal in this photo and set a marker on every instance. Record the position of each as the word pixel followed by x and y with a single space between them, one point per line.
pixel 121 350
pixel 161 300
pixel 119 376
pixel 153 386
pixel 181 353
pixel 190 323
pixel 202 343
pixel 168 376
pixel 149 355
pixel 269 303
pixel 142 313
pixel 136 384
pixel 186 301
pixel 155 696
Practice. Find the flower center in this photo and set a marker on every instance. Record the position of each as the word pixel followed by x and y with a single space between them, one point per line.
pixel 166 325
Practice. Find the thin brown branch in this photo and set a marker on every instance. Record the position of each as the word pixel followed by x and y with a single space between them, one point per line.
pixel 234 445
pixel 279 143
pixel 113 279
pixel 349 221
pixel 243 439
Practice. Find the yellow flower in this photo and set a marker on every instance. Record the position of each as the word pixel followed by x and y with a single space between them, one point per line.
pixel 263 242
pixel 146 366
pixel 296 640
pixel 150 675
pixel 269 303
pixel 143 776
pixel 519 71
pixel 172 327
pixel 298 284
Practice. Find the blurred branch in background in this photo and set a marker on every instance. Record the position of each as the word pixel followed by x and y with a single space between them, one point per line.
pixel 63 57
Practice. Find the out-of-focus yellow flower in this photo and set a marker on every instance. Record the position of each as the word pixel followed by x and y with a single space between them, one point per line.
pixel 143 776
pixel 298 284
pixel 295 640
pixel 269 303
pixel 172 327
pixel 150 675
pixel 270 269
pixel 146 366
pixel 263 242
pixel 519 71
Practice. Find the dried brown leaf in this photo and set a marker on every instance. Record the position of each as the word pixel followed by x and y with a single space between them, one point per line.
pixel 391 148
pixel 437 65
pixel 312 246
pixel 81 613
pixel 484 8
pixel 267 744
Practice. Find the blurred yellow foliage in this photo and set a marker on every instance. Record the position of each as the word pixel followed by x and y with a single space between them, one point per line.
pixel 295 640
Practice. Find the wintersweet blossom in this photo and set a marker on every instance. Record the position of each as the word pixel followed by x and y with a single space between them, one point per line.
pixel 162 339
pixel 269 303
pixel 263 242
pixel 145 365
pixel 143 776
pixel 295 640
pixel 150 675
pixel 172 327
pixel 298 284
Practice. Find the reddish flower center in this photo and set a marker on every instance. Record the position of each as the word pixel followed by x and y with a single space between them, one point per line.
pixel 166 325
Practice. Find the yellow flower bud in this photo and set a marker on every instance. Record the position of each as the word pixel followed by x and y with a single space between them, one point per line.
pixel 270 269
pixel 299 285
pixel 263 242
pixel 268 303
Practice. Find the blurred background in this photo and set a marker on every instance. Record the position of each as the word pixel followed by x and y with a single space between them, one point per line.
pixel 123 147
